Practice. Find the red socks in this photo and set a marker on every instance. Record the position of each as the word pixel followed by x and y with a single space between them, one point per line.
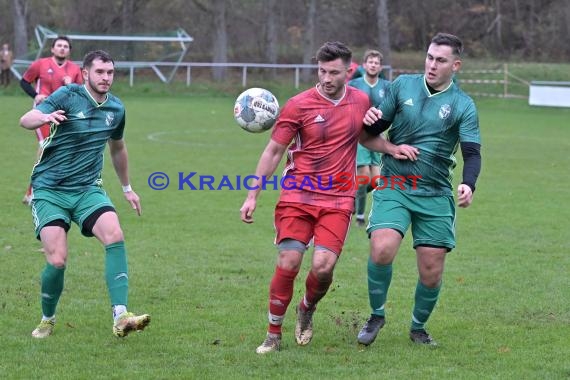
pixel 280 294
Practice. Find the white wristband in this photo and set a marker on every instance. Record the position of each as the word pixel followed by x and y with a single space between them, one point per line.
pixel 127 188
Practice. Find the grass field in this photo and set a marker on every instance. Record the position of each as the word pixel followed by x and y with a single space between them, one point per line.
pixel 203 274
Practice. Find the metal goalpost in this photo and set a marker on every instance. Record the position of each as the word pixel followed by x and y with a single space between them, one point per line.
pixel 128 51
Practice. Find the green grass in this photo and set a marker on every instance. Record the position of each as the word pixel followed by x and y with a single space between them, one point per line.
pixel 203 275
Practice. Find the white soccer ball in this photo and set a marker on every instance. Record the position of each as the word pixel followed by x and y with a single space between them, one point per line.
pixel 256 110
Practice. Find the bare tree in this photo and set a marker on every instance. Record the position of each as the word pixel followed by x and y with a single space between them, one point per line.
pixel 499 27
pixel 220 39
pixel 309 39
pixel 128 10
pixel 268 30
pixel 383 22
pixel 217 9
pixel 270 33
pixel 19 17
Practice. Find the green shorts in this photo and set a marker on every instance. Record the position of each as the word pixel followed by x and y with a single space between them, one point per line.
pixel 67 206
pixel 432 218
pixel 366 157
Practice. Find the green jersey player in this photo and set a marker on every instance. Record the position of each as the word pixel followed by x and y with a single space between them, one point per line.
pixel 432 116
pixel 66 185
pixel 368 161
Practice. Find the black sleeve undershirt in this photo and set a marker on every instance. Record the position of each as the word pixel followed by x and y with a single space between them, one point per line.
pixel 471 153
pixel 378 127
pixel 27 87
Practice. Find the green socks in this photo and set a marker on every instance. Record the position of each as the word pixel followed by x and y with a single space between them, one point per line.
pixel 51 288
pixel 379 278
pixel 425 298
pixel 116 273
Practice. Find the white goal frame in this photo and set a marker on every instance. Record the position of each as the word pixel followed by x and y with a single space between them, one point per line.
pixel 43 35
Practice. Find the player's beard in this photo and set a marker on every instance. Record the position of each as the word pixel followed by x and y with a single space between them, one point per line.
pixel 60 59
pixel 98 89
pixel 332 90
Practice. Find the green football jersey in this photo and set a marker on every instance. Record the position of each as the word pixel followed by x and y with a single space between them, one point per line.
pixel 375 92
pixel 435 124
pixel 72 157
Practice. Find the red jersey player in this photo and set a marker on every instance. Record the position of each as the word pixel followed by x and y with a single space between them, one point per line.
pixel 48 74
pixel 324 124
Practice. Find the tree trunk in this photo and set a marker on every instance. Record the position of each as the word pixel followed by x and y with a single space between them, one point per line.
pixel 220 39
pixel 270 34
pixel 383 22
pixel 19 12
pixel 309 41
pixel 499 26
pixel 127 16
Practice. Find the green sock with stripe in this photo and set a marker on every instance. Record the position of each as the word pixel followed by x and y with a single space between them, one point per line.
pixel 379 278
pixel 425 300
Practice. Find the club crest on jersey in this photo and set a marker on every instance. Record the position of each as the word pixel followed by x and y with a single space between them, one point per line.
pixel 444 111
pixel 381 93
pixel 109 119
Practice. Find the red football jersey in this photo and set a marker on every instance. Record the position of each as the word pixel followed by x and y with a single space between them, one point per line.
pixel 48 75
pixel 321 161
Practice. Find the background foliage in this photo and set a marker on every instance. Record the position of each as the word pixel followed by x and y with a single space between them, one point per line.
pixel 289 31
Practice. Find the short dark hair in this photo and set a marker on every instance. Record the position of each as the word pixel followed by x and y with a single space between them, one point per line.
pixel 449 40
pixel 64 38
pixel 96 54
pixel 372 53
pixel 334 50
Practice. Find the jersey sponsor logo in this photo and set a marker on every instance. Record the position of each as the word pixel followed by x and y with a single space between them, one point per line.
pixel 80 115
pixel 409 102
pixel 50 71
pixel 444 111
pixel 319 119
pixel 109 119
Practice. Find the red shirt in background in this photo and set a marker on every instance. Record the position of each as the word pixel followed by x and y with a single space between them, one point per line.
pixel 48 75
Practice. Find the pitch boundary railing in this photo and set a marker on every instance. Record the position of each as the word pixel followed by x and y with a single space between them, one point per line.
pixel 478 82
pixel 475 82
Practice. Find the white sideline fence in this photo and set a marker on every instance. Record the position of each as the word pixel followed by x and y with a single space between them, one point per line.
pixel 505 80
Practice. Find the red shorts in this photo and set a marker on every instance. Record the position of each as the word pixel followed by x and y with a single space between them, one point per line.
pixel 303 222
pixel 42 132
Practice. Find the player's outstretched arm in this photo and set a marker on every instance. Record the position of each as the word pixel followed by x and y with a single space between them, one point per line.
pixel 378 143
pixel 34 119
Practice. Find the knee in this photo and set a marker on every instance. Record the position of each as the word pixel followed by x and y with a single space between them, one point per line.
pixel 323 266
pixel 112 235
pixel 57 262
pixel 55 257
pixel 431 276
pixel 323 274
pixel 380 254
pixel 290 260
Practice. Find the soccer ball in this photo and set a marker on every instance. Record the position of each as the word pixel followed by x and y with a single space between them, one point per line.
pixel 256 110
